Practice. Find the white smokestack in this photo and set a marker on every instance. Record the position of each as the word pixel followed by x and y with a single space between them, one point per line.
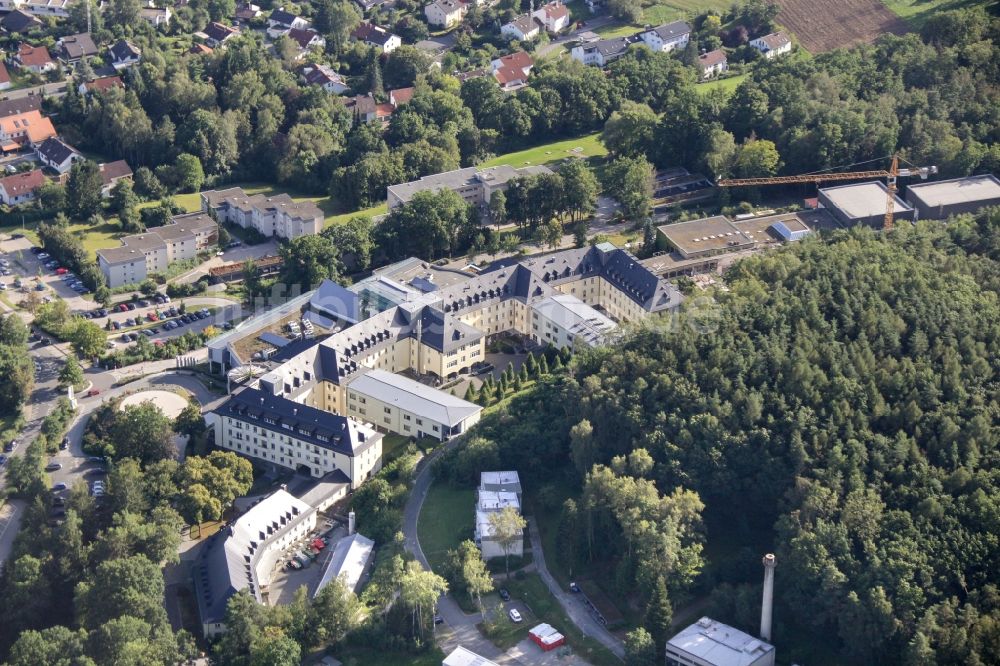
pixel 350 523
pixel 767 606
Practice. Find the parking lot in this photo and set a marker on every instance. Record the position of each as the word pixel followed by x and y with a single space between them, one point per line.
pixel 285 582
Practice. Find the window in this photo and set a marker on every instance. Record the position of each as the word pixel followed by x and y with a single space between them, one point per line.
pixel 387 410
pixel 406 417
pixel 420 421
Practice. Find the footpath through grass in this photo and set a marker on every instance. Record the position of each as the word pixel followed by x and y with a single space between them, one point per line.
pixel 446 520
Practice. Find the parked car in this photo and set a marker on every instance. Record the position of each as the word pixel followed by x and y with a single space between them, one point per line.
pixel 59 487
pixel 133 336
pixel 144 303
pixel 92 392
pixel 62 271
pixel 43 255
pixel 124 337
pixel 64 444
pixel 514 615
pixel 438 619
pixel 504 594
pixel 130 306
pixel 10 446
pixel 53 466
pixel 3 460
pixel 115 325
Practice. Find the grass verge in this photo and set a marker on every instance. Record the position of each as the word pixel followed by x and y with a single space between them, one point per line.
pixel 446 520
pixel 584 146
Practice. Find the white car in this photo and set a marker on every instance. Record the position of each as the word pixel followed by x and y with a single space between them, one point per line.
pixel 514 615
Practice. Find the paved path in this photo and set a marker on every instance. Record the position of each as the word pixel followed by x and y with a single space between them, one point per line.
pixel 571 603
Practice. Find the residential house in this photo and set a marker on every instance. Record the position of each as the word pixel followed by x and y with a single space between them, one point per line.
pixel 280 22
pixel 474 74
pixel 462 656
pixel 667 37
pixel 511 71
pixel 20 188
pixel 112 173
pixel 200 49
pixel 306 40
pixel 374 35
pixel 400 96
pixel 247 11
pixel 523 28
pixel 34 59
pixel 772 45
pixel 323 76
pixel 445 13
pixel 279 215
pixel 366 109
pixel 102 84
pixel 216 34
pixel 19 22
pixel 347 563
pixel 603 51
pixel 74 48
pixel 153 251
pixel 57 155
pixel 58 8
pixel 158 17
pixel 4 77
pixel 554 16
pixel 366 5
pixel 24 130
pixel 124 54
pixel 712 63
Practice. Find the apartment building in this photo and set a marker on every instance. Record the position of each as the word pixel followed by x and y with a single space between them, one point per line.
pixel 153 251
pixel 488 502
pixel 244 555
pixel 407 407
pixel 278 216
pixel 474 185
pixel 280 431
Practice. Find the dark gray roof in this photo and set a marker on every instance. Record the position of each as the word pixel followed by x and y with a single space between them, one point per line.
pixel 54 150
pixel 610 47
pixel 124 50
pixel 214 578
pixel 282 17
pixel 336 302
pixel 78 46
pixel 274 339
pixel 443 333
pixel 18 21
pixel 11 107
pixel 672 30
pixel 321 428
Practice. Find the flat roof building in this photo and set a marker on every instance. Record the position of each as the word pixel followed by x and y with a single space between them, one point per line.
pixel 862 203
pixel 711 643
pixel 461 656
pixel 474 185
pixel 944 198
pixel 563 320
pixel 505 481
pixel 702 238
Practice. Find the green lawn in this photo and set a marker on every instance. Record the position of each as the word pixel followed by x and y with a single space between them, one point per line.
pixel 393 446
pixel 536 596
pixel 916 12
pixel 584 146
pixel 728 85
pixel 446 520
pixel 662 12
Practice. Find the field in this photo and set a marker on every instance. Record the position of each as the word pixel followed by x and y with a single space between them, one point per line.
pixel 824 25
pixel 915 12
pixel 584 146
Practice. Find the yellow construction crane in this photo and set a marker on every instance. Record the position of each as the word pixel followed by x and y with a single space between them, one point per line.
pixel 890 176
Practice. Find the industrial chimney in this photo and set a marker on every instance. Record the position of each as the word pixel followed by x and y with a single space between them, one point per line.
pixel 350 523
pixel 767 606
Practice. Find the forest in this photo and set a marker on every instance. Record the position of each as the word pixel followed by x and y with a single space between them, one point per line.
pixel 837 405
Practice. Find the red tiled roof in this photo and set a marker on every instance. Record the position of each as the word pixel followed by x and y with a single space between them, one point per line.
pixel 301 37
pixel 21 183
pixel 555 10
pixel 506 75
pixel 520 60
pixel 384 110
pixel 401 95
pixel 104 83
pixel 200 49
pixel 712 58
pixel 33 56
